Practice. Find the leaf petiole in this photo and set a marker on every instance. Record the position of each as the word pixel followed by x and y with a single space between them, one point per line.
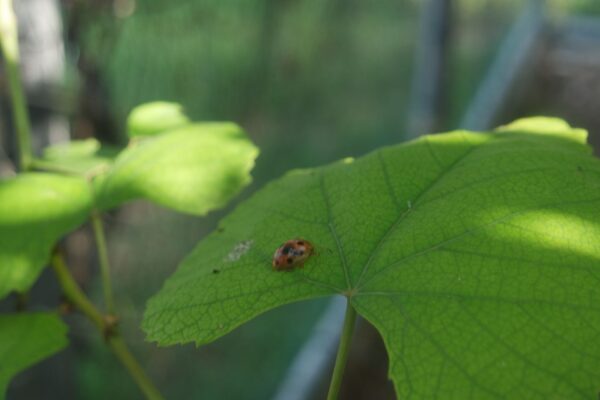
pixel 74 293
pixel 103 260
pixel 105 325
pixel 342 355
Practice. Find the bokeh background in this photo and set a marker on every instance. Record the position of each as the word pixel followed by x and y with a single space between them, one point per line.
pixel 311 81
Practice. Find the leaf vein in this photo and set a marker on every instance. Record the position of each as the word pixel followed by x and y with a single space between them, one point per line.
pixel 519 354
pixel 403 215
pixel 333 231
pixel 429 337
pixel 469 231
pixel 482 298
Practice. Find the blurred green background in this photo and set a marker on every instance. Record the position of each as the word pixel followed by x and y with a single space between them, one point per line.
pixel 311 81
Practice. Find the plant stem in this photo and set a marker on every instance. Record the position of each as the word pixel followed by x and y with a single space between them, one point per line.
pixel 10 48
pixel 120 349
pixel 342 355
pixel 74 293
pixel 103 259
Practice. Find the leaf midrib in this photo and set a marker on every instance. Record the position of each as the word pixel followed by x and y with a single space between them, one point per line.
pixel 416 204
pixel 470 231
pixel 332 230
pixel 445 295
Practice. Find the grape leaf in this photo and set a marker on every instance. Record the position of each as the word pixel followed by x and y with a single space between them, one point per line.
pixel 79 157
pixel 475 255
pixel 36 210
pixel 192 169
pixel 156 117
pixel 26 339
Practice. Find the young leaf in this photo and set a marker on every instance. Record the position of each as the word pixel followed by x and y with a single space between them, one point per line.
pixel 36 210
pixel 156 117
pixel 194 169
pixel 78 157
pixel 475 255
pixel 26 339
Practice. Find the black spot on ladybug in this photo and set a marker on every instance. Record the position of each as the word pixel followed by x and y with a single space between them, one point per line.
pixel 286 250
pixel 301 243
pixel 300 252
pixel 290 260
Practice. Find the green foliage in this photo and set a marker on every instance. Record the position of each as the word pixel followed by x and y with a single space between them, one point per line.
pixel 152 118
pixel 475 255
pixel 78 157
pixel 26 339
pixel 192 169
pixel 189 167
pixel 36 210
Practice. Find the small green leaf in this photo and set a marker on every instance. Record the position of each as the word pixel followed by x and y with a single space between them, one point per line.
pixel 79 157
pixel 194 169
pixel 26 339
pixel 156 117
pixel 475 255
pixel 36 210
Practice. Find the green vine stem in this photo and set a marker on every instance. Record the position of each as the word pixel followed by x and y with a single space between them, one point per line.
pixel 74 294
pixel 103 260
pixel 122 352
pixel 10 49
pixel 105 324
pixel 342 355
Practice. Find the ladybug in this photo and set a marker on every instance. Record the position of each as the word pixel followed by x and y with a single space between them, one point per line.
pixel 291 254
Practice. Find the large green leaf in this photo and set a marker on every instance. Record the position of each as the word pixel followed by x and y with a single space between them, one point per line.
pixel 26 339
pixel 193 169
pixel 36 210
pixel 475 255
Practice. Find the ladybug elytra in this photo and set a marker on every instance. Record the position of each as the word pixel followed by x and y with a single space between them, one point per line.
pixel 291 254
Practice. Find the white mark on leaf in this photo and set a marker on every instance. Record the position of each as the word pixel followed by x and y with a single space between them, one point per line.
pixel 239 250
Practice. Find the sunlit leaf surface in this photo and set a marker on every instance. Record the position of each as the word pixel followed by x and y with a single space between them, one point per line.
pixel 475 255
pixel 36 210
pixel 26 339
pixel 156 117
pixel 193 169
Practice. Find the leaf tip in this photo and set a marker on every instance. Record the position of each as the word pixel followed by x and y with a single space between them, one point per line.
pixel 545 125
pixel 158 116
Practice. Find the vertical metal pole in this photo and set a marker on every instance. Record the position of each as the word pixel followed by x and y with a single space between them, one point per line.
pixel 427 104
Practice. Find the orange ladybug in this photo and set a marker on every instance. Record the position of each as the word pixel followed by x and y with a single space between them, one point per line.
pixel 291 254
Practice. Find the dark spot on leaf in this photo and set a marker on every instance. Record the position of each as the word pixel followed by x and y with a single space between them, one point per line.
pixel 215 271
